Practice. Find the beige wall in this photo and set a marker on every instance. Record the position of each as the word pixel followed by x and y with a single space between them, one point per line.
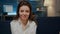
pixel 57 8
pixel 53 6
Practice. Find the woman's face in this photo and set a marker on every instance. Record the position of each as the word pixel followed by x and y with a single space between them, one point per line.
pixel 24 12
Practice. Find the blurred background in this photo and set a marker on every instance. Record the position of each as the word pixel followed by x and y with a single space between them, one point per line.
pixel 47 14
pixel 8 8
pixel 40 8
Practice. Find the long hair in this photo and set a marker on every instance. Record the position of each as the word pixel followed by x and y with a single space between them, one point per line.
pixel 31 17
pixel 26 4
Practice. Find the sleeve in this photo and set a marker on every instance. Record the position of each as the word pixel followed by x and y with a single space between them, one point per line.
pixel 12 27
pixel 34 27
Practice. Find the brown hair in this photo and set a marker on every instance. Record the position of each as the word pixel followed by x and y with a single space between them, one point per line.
pixel 31 17
pixel 26 4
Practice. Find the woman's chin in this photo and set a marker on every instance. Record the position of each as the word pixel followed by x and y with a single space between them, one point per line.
pixel 24 19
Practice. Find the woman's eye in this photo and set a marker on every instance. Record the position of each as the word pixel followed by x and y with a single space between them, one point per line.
pixel 22 11
pixel 27 11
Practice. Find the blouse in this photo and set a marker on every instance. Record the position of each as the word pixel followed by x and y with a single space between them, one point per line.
pixel 16 27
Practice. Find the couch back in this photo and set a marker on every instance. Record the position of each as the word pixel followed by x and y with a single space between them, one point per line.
pixel 46 25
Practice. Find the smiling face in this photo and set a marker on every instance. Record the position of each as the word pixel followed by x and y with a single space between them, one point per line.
pixel 24 12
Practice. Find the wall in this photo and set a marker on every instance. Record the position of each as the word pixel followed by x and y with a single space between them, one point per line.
pixel 53 7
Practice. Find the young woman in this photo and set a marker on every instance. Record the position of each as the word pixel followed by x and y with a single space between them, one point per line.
pixel 23 23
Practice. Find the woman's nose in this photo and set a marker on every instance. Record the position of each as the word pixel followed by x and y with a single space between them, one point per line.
pixel 24 12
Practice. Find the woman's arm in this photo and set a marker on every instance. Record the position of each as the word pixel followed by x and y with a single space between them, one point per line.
pixel 12 27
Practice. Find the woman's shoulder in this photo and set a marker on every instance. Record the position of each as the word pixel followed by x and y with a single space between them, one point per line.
pixel 13 21
pixel 33 22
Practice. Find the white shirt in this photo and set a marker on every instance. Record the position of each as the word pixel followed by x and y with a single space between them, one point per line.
pixel 16 27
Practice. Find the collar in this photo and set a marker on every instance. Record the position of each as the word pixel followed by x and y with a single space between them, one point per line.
pixel 20 23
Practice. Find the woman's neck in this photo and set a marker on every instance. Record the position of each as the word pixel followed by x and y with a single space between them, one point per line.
pixel 24 22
